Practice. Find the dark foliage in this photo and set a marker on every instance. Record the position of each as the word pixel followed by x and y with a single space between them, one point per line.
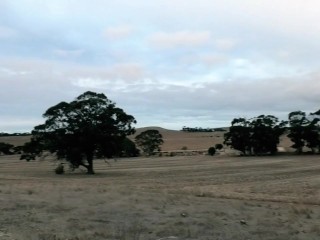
pixel 211 151
pixel 218 146
pixel 257 136
pixel 304 131
pixel 149 141
pixel 59 169
pixel 3 134
pixel 196 129
pixel 129 149
pixel 238 136
pixel 78 131
pixel 6 148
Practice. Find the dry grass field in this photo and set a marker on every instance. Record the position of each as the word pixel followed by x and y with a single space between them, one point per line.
pixel 181 197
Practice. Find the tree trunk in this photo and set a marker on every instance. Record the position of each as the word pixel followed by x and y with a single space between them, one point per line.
pixel 90 164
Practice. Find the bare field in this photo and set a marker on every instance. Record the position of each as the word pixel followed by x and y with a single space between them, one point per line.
pixel 196 197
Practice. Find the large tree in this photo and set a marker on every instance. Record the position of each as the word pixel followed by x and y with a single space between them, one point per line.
pixel 265 134
pixel 304 131
pixel 78 131
pixel 149 141
pixel 259 135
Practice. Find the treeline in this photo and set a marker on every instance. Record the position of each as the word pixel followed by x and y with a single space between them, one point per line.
pixel 196 129
pixel 3 134
pixel 200 129
pixel 261 135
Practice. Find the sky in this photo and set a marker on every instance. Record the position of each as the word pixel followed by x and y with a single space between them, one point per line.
pixel 169 63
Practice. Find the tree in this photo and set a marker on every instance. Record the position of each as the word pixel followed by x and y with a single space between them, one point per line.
pixel 211 151
pixel 218 146
pixel 304 131
pixel 259 135
pixel 266 132
pixel 78 131
pixel 297 122
pixel 149 141
pixel 6 148
pixel 238 136
pixel 31 149
pixel 129 149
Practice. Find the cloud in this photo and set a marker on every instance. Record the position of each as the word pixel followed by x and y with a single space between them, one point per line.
pixel 225 44
pixel 118 32
pixel 165 61
pixel 179 39
pixel 68 53
pixel 7 32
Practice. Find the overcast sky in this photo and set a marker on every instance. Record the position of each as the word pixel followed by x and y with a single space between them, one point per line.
pixel 169 63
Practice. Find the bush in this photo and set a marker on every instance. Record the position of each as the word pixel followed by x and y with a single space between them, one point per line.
pixel 59 169
pixel 184 148
pixel 27 157
pixel 211 151
pixel 219 146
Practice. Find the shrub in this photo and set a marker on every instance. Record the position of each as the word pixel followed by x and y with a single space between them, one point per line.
pixel 218 146
pixel 59 169
pixel 211 151
pixel 184 148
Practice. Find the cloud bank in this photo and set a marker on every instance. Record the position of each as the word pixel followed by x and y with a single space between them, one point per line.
pixel 168 63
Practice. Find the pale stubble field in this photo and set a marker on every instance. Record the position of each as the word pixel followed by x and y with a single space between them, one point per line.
pixel 181 197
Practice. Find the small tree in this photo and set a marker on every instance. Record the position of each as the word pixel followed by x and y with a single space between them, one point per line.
pixel 129 149
pixel 211 151
pixel 149 141
pixel 6 148
pixel 218 146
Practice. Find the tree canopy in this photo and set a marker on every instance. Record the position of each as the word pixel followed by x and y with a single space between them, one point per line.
pixel 149 141
pixel 259 135
pixel 304 131
pixel 78 131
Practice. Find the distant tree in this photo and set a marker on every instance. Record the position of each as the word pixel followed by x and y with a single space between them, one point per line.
pixel 238 136
pixel 265 134
pixel 196 129
pixel 297 122
pixel 31 150
pixel 88 126
pixel 149 141
pixel 129 149
pixel 211 151
pixel 257 136
pixel 218 146
pixel 6 148
pixel 304 131
pixel 314 138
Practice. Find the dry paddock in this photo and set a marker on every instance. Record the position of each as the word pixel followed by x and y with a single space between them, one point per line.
pixel 182 197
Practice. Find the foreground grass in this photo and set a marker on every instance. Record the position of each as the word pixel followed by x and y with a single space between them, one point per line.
pixel 163 198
